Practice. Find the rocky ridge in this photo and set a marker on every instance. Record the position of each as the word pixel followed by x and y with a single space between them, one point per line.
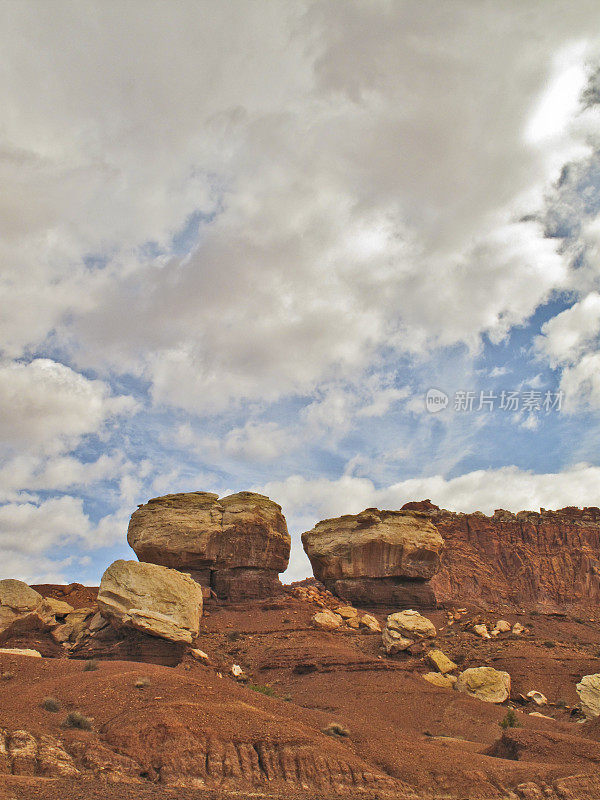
pixel 549 559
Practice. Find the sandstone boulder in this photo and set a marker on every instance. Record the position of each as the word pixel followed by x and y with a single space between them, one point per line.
pixel 440 661
pixel 371 623
pixel 327 620
pixel 485 683
pixel 411 624
pixel 376 556
pixel 153 599
pixel 442 681
pixel 394 642
pixel 588 690
pixel 21 609
pixel 236 545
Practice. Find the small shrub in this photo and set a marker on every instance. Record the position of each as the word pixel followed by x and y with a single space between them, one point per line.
pixel 268 690
pixel 51 704
pixel 91 665
pixel 335 729
pixel 549 643
pixel 510 720
pixel 234 636
pixel 142 683
pixel 75 719
pixel 561 703
pixel 7 676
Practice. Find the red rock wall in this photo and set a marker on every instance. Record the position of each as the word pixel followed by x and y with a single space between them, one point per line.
pixel 549 559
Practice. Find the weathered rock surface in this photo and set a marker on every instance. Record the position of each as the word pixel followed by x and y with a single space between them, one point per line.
pixel 21 609
pixel 440 661
pixel 411 624
pixel 236 545
pixel 376 557
pixel 485 683
pixel 439 680
pixel 548 559
pixel 394 642
pixel 327 621
pixel 153 599
pixel 588 690
pixel 22 754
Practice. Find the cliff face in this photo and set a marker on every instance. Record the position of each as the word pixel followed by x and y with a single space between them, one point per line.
pixel 550 559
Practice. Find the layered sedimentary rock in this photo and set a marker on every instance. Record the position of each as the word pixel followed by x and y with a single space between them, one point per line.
pixel 236 545
pixel 376 557
pixel 153 599
pixel 549 559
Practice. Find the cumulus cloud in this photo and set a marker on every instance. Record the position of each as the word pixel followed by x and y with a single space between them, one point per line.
pixel 48 406
pixel 318 248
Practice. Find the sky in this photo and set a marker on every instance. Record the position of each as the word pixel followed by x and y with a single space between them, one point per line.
pixel 345 254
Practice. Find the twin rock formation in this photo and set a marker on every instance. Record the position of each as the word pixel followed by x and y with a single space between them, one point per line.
pixel 196 545
pixel 237 546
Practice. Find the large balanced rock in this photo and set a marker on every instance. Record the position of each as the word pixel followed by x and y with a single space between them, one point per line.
pixel 153 599
pixel 485 683
pixel 237 545
pixel 376 557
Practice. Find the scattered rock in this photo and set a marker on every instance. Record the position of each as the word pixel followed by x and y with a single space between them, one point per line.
pixel 442 681
pixel 57 608
pixel 371 623
pixel 375 556
pixel 236 546
pixel 538 698
pixel 411 624
pixel 394 642
pixel 517 629
pixel 347 612
pixel 481 630
pixel 542 716
pixel 440 661
pixel 199 654
pixel 156 600
pixel 502 626
pixel 238 673
pixel 327 621
pixel 19 651
pixel 485 683
pixel 588 690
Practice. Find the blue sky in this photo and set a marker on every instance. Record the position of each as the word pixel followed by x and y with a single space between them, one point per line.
pixel 240 242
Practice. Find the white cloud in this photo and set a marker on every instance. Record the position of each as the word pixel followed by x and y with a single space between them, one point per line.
pixel 510 488
pixel 47 406
pixel 30 528
pixel 324 247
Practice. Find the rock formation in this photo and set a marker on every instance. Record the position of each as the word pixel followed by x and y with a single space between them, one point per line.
pixel 549 559
pixel 155 600
pixel 376 557
pixel 237 545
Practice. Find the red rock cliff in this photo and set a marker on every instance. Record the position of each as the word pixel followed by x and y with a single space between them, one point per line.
pixel 550 558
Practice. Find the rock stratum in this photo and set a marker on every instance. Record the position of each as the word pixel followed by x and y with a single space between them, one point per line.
pixel 376 557
pixel 549 559
pixel 236 545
